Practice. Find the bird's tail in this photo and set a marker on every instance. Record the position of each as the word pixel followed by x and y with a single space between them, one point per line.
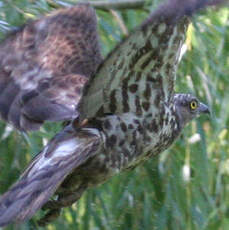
pixel 46 172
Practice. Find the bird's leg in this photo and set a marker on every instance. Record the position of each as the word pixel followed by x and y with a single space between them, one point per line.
pixel 54 206
pixel 49 217
pixel 64 199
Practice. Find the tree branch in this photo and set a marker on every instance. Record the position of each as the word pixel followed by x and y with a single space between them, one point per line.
pixel 117 5
pixel 105 5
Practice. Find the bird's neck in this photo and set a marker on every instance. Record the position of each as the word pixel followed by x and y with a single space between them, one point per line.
pixel 181 122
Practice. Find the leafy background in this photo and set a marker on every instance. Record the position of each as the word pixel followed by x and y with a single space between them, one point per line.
pixel 186 187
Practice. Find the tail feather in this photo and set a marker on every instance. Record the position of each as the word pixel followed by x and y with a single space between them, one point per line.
pixel 46 172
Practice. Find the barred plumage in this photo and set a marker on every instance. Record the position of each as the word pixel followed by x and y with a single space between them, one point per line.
pixel 127 114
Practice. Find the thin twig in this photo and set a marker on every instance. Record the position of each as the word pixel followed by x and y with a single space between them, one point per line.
pixel 117 5
pixel 106 5
pixel 120 22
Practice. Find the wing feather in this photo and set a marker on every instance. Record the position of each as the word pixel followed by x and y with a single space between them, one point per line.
pixel 140 72
pixel 46 172
pixel 43 61
pixel 145 61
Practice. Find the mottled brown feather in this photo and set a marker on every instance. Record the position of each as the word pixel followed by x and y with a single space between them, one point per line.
pixel 47 62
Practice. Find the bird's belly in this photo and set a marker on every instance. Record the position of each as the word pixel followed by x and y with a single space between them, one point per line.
pixel 129 141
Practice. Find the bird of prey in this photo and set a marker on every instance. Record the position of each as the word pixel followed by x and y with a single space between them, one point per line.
pixel 127 112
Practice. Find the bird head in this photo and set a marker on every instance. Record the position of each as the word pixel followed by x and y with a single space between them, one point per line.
pixel 189 107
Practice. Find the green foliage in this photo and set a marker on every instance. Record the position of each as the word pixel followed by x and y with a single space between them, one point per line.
pixel 185 187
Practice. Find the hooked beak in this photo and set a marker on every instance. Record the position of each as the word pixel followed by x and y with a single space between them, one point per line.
pixel 204 109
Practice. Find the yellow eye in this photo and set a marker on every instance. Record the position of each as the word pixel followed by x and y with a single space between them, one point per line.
pixel 193 105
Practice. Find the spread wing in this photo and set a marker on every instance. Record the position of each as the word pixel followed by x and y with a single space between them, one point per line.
pixel 140 72
pixel 46 172
pixel 45 64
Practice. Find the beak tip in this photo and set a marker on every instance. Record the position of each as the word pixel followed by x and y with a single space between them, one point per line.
pixel 207 111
